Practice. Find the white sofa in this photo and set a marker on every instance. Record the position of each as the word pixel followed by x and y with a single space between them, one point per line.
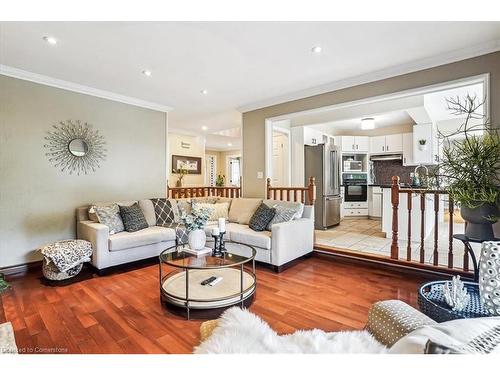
pixel 284 243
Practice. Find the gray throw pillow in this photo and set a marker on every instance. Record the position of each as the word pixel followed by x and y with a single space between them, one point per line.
pixel 164 211
pixel 133 218
pixel 110 216
pixel 262 216
pixel 283 214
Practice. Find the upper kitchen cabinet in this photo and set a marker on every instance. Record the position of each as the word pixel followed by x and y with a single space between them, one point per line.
pixel 377 144
pixel 354 144
pixel 425 147
pixel 394 143
pixel 408 150
pixel 386 144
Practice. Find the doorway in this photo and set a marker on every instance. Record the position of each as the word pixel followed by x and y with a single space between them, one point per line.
pixel 280 159
pixel 234 170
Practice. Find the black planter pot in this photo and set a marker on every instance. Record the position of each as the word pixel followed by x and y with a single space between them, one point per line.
pixel 478 227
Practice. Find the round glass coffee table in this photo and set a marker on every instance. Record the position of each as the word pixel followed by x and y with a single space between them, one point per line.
pixel 182 273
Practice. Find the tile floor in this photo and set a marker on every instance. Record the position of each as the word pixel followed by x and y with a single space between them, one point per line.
pixel 365 235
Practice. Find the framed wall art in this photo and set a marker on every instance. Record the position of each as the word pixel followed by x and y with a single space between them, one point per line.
pixel 190 164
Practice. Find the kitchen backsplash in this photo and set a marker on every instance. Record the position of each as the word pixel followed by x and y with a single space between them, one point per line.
pixel 385 169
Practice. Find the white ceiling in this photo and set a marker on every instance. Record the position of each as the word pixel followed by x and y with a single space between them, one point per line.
pixel 239 63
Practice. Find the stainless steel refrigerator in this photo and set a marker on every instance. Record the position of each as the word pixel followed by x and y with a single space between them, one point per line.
pixel 322 162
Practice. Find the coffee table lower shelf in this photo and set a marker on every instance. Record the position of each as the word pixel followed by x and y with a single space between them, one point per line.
pixel 182 292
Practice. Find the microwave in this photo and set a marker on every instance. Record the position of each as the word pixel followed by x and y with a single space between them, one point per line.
pixel 353 166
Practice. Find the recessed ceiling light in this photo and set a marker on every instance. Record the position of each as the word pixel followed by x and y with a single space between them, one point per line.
pixel 50 39
pixel 204 91
pixel 368 123
pixel 147 73
pixel 204 128
pixel 316 49
pixel 229 144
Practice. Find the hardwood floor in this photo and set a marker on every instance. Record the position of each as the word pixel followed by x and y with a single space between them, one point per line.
pixel 121 313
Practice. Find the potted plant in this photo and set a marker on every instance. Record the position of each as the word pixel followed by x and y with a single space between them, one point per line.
pixel 220 180
pixel 470 168
pixel 3 284
pixel 194 223
pixel 181 172
pixel 422 144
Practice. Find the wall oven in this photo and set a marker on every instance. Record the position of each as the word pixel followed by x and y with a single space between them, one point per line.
pixel 355 188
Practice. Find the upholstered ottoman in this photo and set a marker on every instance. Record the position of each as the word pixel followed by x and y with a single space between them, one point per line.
pixel 64 259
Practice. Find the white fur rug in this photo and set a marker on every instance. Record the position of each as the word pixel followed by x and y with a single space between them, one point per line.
pixel 7 340
pixel 240 331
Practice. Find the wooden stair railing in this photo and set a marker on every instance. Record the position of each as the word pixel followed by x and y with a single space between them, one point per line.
pixel 306 195
pixel 396 190
pixel 203 191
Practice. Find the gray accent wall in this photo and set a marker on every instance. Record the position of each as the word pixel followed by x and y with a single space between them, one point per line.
pixel 37 200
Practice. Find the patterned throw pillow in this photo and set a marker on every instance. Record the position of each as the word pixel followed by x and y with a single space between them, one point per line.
pixel 184 206
pixel 261 218
pixel 218 210
pixel 110 216
pixel 133 218
pixel 164 211
pixel 283 214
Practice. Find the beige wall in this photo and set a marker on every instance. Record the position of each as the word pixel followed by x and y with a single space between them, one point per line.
pixel 196 149
pixel 254 121
pixel 37 200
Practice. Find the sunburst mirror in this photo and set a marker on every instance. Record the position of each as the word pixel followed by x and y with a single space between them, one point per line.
pixel 75 147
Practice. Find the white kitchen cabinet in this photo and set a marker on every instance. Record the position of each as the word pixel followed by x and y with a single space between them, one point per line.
pixel 362 143
pixel 377 202
pixel 374 201
pixel 394 143
pixel 408 150
pixel 386 144
pixel 348 144
pixel 354 144
pixel 377 144
pixel 424 154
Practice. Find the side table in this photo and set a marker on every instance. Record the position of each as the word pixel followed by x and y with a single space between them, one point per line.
pixel 432 303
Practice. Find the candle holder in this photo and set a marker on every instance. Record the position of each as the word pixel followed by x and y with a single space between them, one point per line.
pixel 222 246
pixel 216 252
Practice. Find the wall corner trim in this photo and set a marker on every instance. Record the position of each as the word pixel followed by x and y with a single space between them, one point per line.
pixel 82 89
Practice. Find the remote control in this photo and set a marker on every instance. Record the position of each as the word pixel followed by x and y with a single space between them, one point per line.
pixel 208 281
pixel 216 281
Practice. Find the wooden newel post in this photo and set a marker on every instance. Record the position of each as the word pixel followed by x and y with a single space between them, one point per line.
pixel 268 188
pixel 395 205
pixel 311 191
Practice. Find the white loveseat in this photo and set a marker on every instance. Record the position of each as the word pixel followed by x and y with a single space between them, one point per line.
pixel 284 243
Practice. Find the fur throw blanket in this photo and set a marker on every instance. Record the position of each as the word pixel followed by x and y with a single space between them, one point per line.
pixel 240 331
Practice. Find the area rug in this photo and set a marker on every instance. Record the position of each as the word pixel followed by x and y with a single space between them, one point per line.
pixel 240 331
pixel 7 340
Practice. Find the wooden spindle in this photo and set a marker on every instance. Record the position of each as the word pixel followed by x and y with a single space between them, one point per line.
pixel 435 255
pixel 409 204
pixel 295 195
pixel 451 209
pixel 422 227
pixel 268 186
pixel 395 205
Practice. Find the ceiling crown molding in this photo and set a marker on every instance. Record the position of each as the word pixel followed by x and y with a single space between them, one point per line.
pixel 442 59
pixel 82 89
